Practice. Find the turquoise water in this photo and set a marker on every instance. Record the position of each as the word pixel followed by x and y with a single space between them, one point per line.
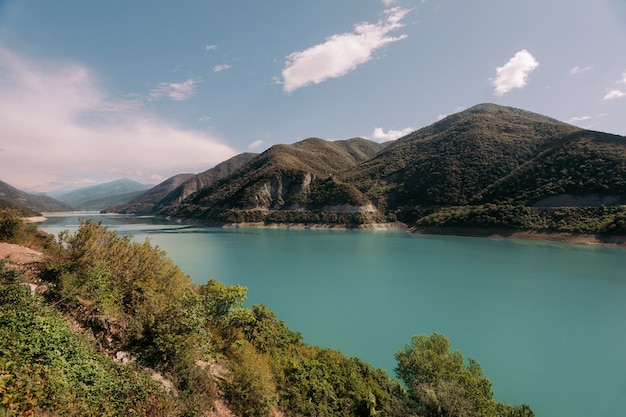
pixel 546 321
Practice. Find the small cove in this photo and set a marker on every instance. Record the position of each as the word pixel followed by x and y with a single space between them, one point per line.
pixel 545 320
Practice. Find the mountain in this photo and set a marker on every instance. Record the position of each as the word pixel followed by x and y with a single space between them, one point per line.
pixel 98 197
pixel 29 204
pixel 452 161
pixel 145 202
pixel 285 177
pixel 175 189
pixel 487 166
pixel 202 180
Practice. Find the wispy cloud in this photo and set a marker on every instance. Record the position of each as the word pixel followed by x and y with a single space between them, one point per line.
pixel 255 144
pixel 514 74
pixel 577 119
pixel 59 126
pixel 222 67
pixel 619 91
pixel 578 70
pixel 342 53
pixel 380 135
pixel 175 91
pixel 210 47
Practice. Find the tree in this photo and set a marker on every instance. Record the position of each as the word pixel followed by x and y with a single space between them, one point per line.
pixel 11 224
pixel 250 388
pixel 222 300
pixel 441 384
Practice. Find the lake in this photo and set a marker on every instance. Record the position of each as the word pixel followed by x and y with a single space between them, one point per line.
pixel 546 321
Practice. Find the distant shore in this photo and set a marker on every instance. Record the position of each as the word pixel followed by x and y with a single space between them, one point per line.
pixel 302 226
pixel 576 238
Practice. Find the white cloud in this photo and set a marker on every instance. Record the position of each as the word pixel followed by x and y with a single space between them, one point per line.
pixel 59 126
pixel 577 119
pixel 613 94
pixel 514 74
pixel 578 70
pixel 380 135
pixel 618 92
pixel 210 47
pixel 341 53
pixel 255 144
pixel 220 68
pixel 175 91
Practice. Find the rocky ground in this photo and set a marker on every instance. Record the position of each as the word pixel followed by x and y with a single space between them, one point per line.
pixel 19 257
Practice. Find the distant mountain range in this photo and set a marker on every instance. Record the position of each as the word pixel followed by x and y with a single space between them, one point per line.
pixel 101 196
pixel 487 159
pixel 96 197
pixel 28 204
pixel 174 190
pixel 486 167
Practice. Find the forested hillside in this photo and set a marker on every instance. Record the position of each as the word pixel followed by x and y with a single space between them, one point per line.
pixel 486 167
pixel 284 178
pixel 106 326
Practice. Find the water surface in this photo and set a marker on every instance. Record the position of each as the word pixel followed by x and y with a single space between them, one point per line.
pixel 546 321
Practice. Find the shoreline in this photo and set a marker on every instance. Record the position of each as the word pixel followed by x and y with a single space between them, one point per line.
pixel 562 237
pixel 316 226
pixel 497 233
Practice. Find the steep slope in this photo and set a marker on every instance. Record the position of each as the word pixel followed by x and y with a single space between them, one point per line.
pixel 205 179
pixel 452 161
pixel 12 197
pixel 488 166
pixel 94 197
pixel 586 165
pixel 146 201
pixel 283 177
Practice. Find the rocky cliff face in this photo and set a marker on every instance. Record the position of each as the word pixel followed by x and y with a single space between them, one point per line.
pixel 193 185
pixel 280 192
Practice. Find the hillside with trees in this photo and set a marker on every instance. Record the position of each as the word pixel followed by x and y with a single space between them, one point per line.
pixel 287 178
pixel 105 326
pixel 488 167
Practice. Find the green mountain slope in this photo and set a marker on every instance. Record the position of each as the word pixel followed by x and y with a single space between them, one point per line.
pixel 290 177
pixel 452 161
pixel 487 166
pixel 583 164
pixel 202 180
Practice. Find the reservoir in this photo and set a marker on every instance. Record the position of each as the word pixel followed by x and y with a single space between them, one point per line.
pixel 546 321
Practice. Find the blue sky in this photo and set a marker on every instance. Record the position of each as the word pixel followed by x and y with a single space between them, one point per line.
pixel 94 91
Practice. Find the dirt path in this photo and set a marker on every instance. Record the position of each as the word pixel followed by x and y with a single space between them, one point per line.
pixel 19 256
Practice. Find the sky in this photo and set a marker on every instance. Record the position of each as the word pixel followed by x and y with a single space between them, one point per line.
pixel 93 91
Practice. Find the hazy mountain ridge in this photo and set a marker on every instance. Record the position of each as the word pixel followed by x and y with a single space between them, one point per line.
pixel 21 200
pixel 100 196
pixel 144 203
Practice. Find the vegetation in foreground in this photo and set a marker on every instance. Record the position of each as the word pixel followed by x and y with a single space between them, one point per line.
pixel 102 296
